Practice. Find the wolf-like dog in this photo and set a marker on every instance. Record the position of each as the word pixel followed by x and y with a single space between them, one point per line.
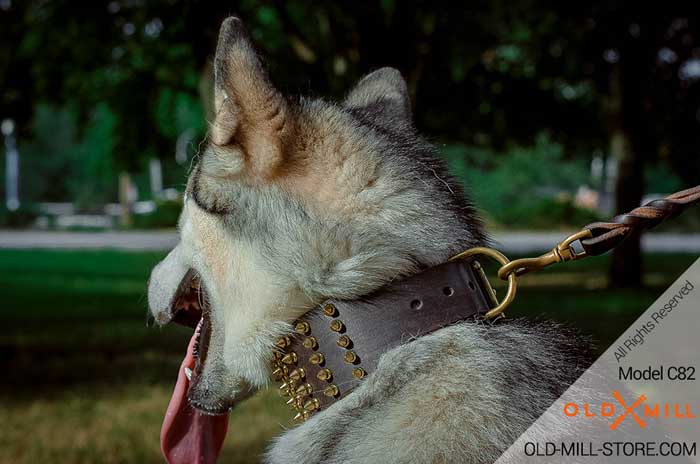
pixel 296 200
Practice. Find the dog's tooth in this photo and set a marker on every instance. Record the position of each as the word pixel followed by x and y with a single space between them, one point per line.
pixel 188 373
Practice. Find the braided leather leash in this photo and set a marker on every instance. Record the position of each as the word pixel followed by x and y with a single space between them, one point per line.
pixel 607 235
pixel 594 239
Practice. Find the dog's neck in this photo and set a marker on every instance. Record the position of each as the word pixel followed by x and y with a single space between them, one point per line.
pixel 340 342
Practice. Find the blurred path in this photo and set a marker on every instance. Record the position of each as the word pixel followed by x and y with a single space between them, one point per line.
pixel 122 240
pixel 509 242
pixel 539 242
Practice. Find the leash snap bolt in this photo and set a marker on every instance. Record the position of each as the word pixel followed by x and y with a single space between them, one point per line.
pixel 564 251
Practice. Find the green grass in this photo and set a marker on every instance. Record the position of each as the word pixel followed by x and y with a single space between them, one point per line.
pixel 87 379
pixel 90 378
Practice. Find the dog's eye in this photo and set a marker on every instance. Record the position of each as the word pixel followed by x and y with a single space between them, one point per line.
pixel 207 195
pixel 210 205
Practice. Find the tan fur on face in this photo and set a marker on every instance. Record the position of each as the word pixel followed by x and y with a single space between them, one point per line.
pixel 333 167
pixel 251 305
pixel 295 201
pixel 250 113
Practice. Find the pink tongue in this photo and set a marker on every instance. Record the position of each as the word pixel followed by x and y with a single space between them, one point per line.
pixel 188 436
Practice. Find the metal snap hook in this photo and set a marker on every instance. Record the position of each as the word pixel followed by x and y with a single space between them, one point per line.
pixel 502 260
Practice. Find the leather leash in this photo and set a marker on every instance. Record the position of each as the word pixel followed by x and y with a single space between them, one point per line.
pixel 599 237
pixel 607 235
pixel 339 342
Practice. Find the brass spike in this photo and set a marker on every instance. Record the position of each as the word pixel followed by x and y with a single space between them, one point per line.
pixel 302 416
pixel 310 343
pixel 324 374
pixel 304 389
pixel 302 328
pixel 283 342
pixel 297 374
pixel 350 357
pixel 290 358
pixel 358 372
pixel 288 385
pixel 331 390
pixel 329 310
pixel 311 405
pixel 295 401
pixel 337 325
pixel 286 389
pixel 344 341
pixel 279 372
pixel 316 358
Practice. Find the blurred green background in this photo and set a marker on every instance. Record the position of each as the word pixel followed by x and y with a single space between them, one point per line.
pixel 553 115
pixel 88 381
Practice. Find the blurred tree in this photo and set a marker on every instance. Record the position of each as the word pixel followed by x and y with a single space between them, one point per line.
pixel 650 104
pixel 597 74
pixel 604 75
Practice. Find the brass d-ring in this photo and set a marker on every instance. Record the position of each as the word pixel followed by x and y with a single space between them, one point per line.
pixel 501 259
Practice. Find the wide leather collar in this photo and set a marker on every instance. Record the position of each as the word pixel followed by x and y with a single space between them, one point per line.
pixel 339 342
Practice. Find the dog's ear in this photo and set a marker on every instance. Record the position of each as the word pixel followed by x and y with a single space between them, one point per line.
pixel 383 93
pixel 252 116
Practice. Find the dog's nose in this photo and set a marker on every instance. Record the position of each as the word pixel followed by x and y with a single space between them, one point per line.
pixel 163 284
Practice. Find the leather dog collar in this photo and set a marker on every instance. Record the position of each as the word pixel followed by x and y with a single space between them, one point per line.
pixel 339 342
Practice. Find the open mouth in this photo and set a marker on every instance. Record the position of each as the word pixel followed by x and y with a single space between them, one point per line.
pixel 191 308
pixel 192 435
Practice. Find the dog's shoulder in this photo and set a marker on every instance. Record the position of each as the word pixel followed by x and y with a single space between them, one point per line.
pixel 462 394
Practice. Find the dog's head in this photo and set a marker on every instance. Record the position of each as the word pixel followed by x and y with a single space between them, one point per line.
pixel 294 201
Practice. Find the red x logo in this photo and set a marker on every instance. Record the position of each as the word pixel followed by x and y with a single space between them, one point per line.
pixel 628 410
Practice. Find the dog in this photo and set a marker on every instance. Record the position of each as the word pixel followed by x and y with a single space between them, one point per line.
pixel 296 200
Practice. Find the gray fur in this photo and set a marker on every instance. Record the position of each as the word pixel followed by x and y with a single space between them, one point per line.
pixel 419 215
pixel 461 395
pixel 334 200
